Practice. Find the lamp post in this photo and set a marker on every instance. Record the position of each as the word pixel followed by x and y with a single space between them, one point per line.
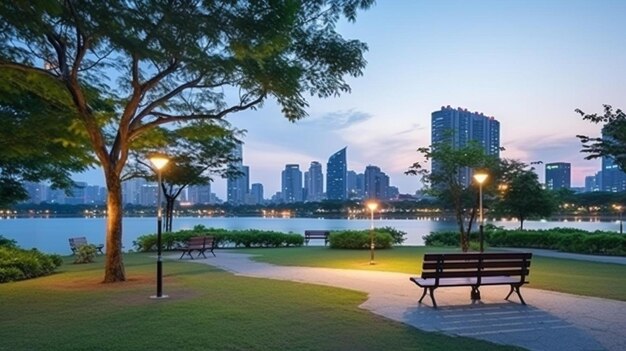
pixel 372 205
pixel 480 179
pixel 159 161
pixel 619 210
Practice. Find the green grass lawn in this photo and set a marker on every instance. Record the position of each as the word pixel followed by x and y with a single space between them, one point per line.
pixel 569 276
pixel 209 309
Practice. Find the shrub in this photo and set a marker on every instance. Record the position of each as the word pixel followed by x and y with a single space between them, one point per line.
pixel 19 264
pixel 7 242
pixel 85 254
pixel 397 236
pixel 237 238
pixel 355 239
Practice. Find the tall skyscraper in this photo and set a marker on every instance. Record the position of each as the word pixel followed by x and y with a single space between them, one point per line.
pixel 238 188
pixel 314 182
pixel 459 126
pixel 558 175
pixel 336 174
pixel 292 184
pixel 613 179
pixel 376 183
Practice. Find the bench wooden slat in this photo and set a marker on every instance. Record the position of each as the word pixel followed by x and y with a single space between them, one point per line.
pixel 476 256
pixel 486 264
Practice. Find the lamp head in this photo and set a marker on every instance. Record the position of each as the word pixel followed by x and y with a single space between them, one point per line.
pixel 159 160
pixel 372 205
pixel 480 177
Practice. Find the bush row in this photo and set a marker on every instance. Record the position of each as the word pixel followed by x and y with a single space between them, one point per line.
pixel 360 239
pixel 223 238
pixel 19 264
pixel 562 239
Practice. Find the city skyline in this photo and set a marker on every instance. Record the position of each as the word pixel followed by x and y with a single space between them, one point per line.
pixel 530 64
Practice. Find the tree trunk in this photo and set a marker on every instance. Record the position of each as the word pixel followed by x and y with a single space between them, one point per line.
pixel 114 265
pixel 169 213
pixel 521 223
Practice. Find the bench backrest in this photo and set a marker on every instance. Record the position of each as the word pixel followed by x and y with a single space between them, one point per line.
pixel 77 242
pixel 466 265
pixel 201 241
pixel 316 233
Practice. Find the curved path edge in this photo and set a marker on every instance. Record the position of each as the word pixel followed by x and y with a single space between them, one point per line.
pixel 550 321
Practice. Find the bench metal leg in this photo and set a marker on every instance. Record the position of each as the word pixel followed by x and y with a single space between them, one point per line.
pixel 201 252
pixel 516 289
pixel 432 295
pixel 475 294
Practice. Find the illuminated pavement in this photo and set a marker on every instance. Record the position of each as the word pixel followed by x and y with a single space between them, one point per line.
pixel 550 321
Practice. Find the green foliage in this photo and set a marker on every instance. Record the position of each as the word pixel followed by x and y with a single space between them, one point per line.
pixel 359 239
pixel 19 264
pixel 562 239
pixel 85 254
pixel 525 198
pixel 613 140
pixel 10 243
pixel 223 238
pixel 396 234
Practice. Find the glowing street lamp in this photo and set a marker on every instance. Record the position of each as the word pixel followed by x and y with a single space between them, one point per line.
pixel 372 205
pixel 159 161
pixel 480 178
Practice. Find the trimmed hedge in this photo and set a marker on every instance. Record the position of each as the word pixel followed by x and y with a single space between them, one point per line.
pixel 18 264
pixel 223 238
pixel 360 239
pixel 562 239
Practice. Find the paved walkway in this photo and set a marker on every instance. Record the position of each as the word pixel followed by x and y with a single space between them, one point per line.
pixel 550 321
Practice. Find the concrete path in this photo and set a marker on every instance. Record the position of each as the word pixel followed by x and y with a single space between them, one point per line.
pixel 550 321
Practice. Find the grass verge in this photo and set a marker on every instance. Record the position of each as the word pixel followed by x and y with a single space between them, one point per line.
pixel 209 309
pixel 576 277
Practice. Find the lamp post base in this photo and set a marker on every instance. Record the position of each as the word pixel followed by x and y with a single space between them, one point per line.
pixel 162 297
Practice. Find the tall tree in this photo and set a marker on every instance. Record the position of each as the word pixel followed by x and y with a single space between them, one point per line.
pixel 524 197
pixel 613 142
pixel 444 181
pixel 198 153
pixel 171 62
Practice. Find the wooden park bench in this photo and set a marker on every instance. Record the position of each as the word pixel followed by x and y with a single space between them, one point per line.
pixel 77 242
pixel 316 234
pixel 474 270
pixel 200 244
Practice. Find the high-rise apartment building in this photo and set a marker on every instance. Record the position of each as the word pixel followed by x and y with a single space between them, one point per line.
pixel 238 188
pixel 558 175
pixel 459 126
pixel 314 182
pixel 613 179
pixel 376 183
pixel 336 174
pixel 291 187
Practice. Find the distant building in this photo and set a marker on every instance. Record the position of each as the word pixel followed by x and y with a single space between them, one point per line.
pixel 199 194
pixel 314 182
pixel 336 174
pixel 376 183
pixel 238 188
pixel 77 194
pixel 131 191
pixel 291 187
pixel 37 192
pixel 351 180
pixel 459 126
pixel 591 184
pixel 256 194
pixel 558 175
pixel 613 179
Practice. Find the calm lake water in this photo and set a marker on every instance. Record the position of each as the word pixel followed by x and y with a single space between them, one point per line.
pixel 51 234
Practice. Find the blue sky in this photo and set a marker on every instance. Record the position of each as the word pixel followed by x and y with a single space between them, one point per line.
pixel 529 64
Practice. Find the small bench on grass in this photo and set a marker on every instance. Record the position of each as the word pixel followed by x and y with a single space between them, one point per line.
pixel 316 234
pixel 474 270
pixel 200 244
pixel 76 243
